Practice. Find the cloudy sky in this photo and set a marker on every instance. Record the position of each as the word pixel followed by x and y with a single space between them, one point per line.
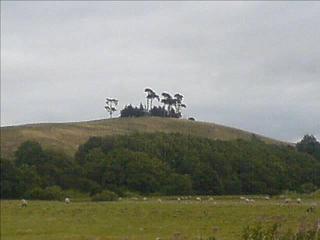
pixel 250 65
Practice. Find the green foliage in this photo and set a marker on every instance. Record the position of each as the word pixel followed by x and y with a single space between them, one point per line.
pixel 75 194
pixel 9 179
pixel 49 193
pixel 161 163
pixel 307 188
pixel 275 232
pixel 105 196
pixel 147 162
pixel 178 184
pixel 130 111
pixel 310 145
pixel 29 153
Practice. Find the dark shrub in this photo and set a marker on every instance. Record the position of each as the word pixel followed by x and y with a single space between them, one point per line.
pixel 105 196
pixel 49 193
pixel 308 188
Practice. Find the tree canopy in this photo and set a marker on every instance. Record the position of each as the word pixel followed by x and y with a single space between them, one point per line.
pixel 164 164
pixel 310 145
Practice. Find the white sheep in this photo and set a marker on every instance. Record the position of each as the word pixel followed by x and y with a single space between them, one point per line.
pixel 247 200
pixel 24 203
pixel 210 199
pixel 179 199
pixel 267 198
pixel 299 200
pixel 242 198
pixel 198 199
pixel 145 199
pixel 159 200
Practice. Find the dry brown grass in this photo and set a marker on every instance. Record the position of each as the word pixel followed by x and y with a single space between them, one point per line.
pixel 68 136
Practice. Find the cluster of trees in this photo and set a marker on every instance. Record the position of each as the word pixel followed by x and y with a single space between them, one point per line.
pixel 161 163
pixel 171 106
pixel 310 145
pixel 156 111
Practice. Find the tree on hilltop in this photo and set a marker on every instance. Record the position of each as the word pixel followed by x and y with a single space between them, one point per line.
pixel 111 104
pixel 178 103
pixel 309 144
pixel 151 95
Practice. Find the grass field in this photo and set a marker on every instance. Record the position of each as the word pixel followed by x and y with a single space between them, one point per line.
pixel 68 136
pixel 225 217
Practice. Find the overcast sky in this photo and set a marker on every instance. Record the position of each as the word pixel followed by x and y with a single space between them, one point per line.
pixel 250 65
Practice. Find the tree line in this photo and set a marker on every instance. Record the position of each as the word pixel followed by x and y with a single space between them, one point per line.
pixel 171 106
pixel 159 163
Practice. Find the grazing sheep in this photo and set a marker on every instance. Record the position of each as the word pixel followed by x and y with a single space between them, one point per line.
pixel 287 200
pixel 242 198
pixel 159 200
pixel 67 200
pixel 210 199
pixel 267 198
pixel 145 199
pixel 252 200
pixel 311 209
pixel 299 200
pixel 120 198
pixel 198 199
pixel 179 199
pixel 247 200
pixel 24 203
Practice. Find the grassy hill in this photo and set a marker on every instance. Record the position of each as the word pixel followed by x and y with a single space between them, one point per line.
pixel 68 136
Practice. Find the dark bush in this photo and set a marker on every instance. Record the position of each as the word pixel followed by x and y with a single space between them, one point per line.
pixel 105 196
pixel 49 193
pixel 307 188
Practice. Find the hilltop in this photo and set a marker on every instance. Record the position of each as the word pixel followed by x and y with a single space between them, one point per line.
pixel 68 136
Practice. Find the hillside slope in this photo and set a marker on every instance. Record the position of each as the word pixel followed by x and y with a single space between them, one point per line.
pixel 68 136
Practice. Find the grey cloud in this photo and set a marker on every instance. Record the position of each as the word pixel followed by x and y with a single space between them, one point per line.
pixel 252 65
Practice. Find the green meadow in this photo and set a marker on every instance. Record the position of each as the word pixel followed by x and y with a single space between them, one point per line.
pixel 223 217
pixel 68 136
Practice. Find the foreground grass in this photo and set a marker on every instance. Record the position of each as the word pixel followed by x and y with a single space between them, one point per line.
pixel 128 219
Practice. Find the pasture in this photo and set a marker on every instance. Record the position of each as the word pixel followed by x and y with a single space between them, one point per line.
pixel 225 218
pixel 67 137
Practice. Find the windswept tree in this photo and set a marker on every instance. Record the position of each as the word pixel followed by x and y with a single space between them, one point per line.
pixel 151 95
pixel 111 104
pixel 178 103
pixel 167 101
pixel 149 92
pixel 172 106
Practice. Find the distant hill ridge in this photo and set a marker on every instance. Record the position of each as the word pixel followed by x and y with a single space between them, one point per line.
pixel 68 136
